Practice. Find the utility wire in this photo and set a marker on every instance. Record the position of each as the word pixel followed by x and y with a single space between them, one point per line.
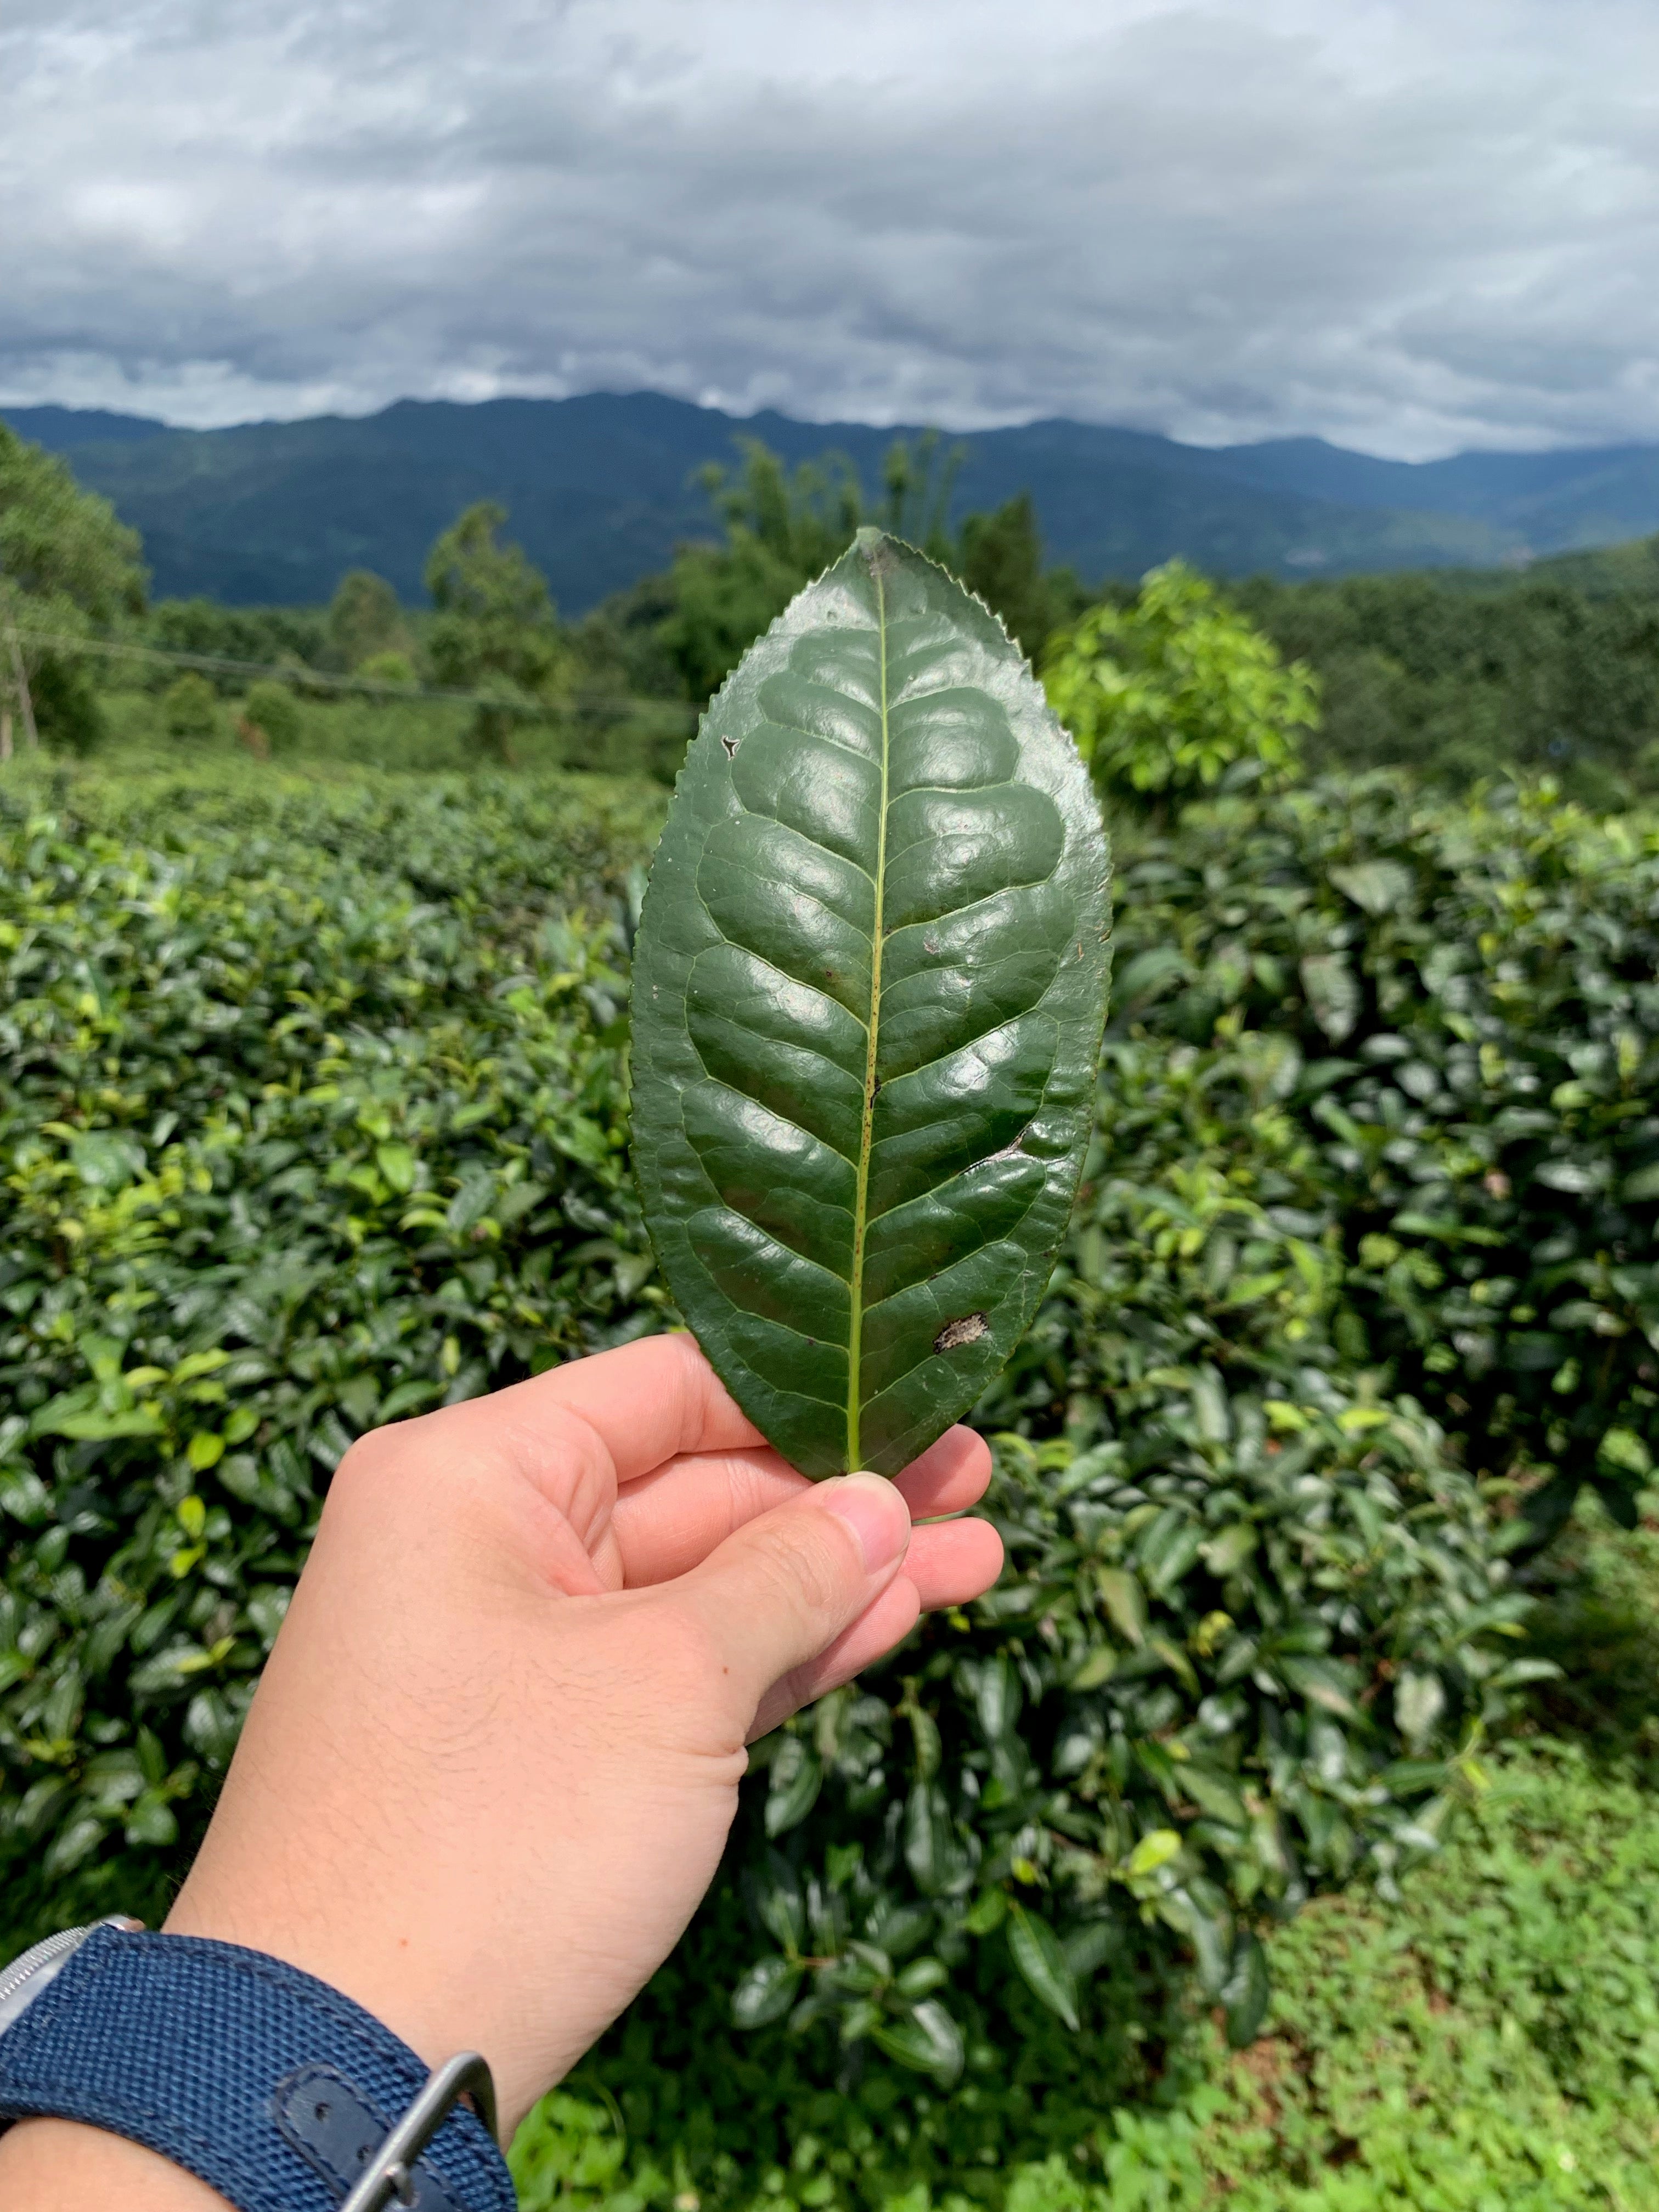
pixel 303 673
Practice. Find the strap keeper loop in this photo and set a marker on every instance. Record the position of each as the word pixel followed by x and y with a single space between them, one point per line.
pixel 387 2178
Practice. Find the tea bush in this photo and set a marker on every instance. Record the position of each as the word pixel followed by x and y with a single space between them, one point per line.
pixel 1488 2040
pixel 1255 1624
pixel 314 1115
pixel 1460 1007
pixel 273 711
pixel 311 1116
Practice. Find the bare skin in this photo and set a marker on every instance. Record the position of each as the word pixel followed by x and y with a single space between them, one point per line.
pixel 496 1752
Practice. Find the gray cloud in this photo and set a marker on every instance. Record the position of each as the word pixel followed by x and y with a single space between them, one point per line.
pixel 1408 226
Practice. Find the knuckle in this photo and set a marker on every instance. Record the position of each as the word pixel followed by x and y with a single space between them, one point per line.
pixel 803 1562
pixel 362 1468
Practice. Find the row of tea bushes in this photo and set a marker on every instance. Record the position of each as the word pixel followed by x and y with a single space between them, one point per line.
pixel 1459 1008
pixel 313 1115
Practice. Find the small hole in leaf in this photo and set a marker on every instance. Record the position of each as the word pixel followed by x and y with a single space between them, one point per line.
pixel 968 1330
pixel 731 745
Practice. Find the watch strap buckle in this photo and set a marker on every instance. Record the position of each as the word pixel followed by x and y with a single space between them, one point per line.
pixel 340 2136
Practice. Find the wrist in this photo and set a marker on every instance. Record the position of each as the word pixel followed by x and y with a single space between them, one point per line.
pixel 273 2087
pixel 399 1966
pixel 58 2166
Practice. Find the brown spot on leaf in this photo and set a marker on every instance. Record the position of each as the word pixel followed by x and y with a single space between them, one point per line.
pixel 968 1330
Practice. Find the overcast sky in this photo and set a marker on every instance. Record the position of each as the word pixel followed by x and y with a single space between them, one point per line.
pixel 1409 227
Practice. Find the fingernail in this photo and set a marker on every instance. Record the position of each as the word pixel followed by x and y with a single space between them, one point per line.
pixel 876 1514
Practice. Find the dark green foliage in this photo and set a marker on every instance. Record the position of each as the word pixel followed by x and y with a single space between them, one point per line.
pixel 1461 684
pixel 780 531
pixel 189 708
pixel 69 712
pixel 372 1159
pixel 622 648
pixel 723 598
pixel 871 977
pixel 375 1157
pixel 67 565
pixel 364 618
pixel 783 529
pixel 1469 998
pixel 262 636
pixel 494 629
pixel 273 711
pixel 1485 2039
pixel 1000 557
pixel 61 545
pixel 1260 1617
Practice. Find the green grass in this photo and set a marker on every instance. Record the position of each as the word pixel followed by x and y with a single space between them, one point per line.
pixel 1487 2043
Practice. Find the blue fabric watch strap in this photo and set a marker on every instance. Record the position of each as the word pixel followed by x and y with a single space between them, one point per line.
pixel 260 2079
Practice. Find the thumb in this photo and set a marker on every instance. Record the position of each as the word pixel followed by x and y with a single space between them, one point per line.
pixel 779 1591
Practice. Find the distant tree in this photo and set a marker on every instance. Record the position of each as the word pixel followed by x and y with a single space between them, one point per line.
pixel 495 628
pixel 1167 694
pixel 1460 676
pixel 389 667
pixel 272 709
pixel 296 637
pixel 1000 557
pixel 190 708
pixel 783 527
pixel 723 596
pixel 67 566
pixel 621 645
pixel 917 481
pixel 364 618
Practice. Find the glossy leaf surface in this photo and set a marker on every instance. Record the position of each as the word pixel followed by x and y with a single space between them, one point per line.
pixel 870 983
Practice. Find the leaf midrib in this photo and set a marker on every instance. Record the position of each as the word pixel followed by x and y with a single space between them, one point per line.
pixel 861 1194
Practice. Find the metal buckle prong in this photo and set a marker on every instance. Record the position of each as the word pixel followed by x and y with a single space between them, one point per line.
pixel 388 2175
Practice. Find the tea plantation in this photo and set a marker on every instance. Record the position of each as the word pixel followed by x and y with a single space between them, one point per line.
pixel 1280 1832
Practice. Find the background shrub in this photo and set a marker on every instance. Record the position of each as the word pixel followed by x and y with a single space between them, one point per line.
pixel 1166 695
pixel 190 706
pixel 392 667
pixel 273 711
pixel 1457 1006
pixel 373 1158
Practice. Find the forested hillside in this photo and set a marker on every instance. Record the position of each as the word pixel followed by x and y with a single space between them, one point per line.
pixel 602 487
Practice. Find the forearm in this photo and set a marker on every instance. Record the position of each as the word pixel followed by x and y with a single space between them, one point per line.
pixel 52 2166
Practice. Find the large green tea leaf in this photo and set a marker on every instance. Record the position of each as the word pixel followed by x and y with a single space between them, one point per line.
pixel 869 990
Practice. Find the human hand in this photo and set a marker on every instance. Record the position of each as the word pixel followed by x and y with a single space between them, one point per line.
pixel 493 1759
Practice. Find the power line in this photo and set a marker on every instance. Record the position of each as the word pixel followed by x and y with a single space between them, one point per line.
pixel 287 672
pixel 303 674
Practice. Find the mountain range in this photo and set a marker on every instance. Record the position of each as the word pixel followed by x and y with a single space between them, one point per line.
pixel 601 488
